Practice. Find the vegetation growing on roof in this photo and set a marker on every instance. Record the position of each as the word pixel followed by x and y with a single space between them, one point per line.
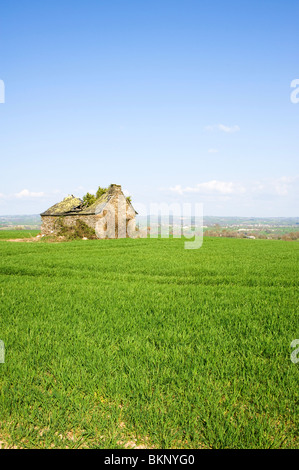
pixel 90 199
pixel 68 204
pixel 100 192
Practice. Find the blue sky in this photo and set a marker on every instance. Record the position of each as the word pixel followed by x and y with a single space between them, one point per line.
pixel 177 101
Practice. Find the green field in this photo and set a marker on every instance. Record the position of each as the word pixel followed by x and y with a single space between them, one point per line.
pixel 123 343
pixel 12 234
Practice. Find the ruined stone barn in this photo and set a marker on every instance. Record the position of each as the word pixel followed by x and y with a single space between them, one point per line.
pixel 110 216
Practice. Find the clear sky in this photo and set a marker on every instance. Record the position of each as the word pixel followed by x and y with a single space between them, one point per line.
pixel 176 100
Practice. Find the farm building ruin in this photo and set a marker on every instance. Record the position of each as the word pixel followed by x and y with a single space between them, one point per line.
pixel 110 216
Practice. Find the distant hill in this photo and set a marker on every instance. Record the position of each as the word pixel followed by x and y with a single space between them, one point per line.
pixel 244 227
pixel 29 222
pixel 33 221
pixel 210 221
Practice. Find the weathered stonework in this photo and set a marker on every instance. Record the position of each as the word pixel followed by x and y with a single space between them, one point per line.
pixel 51 225
pixel 111 216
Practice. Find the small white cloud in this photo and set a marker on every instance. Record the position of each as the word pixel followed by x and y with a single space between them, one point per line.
pixel 277 186
pixel 25 193
pixel 223 128
pixel 275 189
pixel 229 129
pixel 210 187
pixel 213 151
pixel 177 189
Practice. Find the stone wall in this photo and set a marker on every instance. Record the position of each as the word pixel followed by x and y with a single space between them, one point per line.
pixel 50 224
pixel 48 227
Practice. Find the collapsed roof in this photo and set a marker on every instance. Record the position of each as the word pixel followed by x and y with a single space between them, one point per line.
pixel 72 205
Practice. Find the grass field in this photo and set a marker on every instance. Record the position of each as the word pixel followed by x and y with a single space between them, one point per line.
pixel 123 343
pixel 12 234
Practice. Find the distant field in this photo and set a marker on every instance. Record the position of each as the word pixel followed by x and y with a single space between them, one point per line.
pixel 123 343
pixel 10 234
